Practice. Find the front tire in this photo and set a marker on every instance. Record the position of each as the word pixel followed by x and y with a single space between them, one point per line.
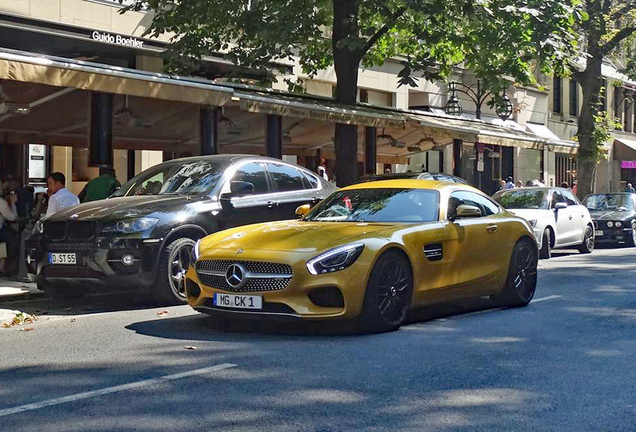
pixel 387 298
pixel 59 292
pixel 521 282
pixel 631 240
pixel 173 265
pixel 546 246
pixel 588 241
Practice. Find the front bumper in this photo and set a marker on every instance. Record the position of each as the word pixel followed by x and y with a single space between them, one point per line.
pixel 98 261
pixel 298 298
pixel 613 235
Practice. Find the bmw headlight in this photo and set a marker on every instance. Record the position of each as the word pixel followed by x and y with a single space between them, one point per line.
pixel 610 224
pixel 335 259
pixel 38 228
pixel 618 224
pixel 131 225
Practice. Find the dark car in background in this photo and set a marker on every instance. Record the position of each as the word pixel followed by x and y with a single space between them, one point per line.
pixel 143 235
pixel 416 176
pixel 614 216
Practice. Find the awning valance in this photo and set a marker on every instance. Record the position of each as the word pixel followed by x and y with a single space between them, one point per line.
pixel 624 149
pixel 317 109
pixel 60 72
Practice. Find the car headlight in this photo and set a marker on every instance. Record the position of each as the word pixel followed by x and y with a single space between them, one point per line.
pixel 533 223
pixel 38 228
pixel 610 224
pixel 196 252
pixel 618 224
pixel 335 259
pixel 130 225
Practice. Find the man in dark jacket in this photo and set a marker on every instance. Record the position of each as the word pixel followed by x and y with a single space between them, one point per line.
pixel 101 187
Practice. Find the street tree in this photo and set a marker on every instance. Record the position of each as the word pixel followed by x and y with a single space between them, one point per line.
pixel 608 33
pixel 498 40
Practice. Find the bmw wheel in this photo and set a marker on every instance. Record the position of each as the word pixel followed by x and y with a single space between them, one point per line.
pixel 588 241
pixel 173 265
pixel 521 283
pixel 388 295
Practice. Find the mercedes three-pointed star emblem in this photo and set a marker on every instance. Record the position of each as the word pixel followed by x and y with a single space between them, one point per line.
pixel 235 275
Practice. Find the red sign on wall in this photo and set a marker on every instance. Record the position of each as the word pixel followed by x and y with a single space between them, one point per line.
pixel 628 164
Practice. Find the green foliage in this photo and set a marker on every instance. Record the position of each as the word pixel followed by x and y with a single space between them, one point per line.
pixel 601 134
pixel 493 38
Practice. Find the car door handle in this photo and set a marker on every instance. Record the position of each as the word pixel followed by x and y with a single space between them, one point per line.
pixel 271 204
pixel 570 217
pixel 492 228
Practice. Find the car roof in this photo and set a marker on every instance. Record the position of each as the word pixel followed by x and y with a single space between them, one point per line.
pixel 409 184
pixel 227 158
pixel 414 175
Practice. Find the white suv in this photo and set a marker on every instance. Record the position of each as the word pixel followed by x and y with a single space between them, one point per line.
pixel 558 218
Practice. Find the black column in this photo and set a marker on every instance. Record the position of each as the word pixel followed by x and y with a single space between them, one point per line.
pixel 457 157
pixel 274 136
pixel 209 130
pixel 101 130
pixel 130 164
pixel 370 150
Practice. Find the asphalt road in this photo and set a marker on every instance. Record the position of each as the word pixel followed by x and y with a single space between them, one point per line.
pixel 564 363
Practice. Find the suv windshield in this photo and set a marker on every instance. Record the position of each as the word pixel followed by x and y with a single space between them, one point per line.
pixel 609 202
pixel 378 205
pixel 184 178
pixel 522 199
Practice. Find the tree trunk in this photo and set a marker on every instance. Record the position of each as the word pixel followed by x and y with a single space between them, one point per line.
pixel 591 83
pixel 346 63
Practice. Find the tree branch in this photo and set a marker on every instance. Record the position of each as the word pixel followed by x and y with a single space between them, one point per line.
pixel 622 11
pixel 385 28
pixel 618 38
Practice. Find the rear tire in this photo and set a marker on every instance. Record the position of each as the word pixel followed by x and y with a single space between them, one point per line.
pixel 387 298
pixel 631 240
pixel 546 246
pixel 521 282
pixel 588 241
pixel 173 265
pixel 62 292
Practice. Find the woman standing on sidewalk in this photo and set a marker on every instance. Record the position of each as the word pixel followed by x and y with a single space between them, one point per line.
pixel 8 213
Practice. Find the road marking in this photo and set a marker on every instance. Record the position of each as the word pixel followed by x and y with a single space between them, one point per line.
pixel 115 389
pixel 552 297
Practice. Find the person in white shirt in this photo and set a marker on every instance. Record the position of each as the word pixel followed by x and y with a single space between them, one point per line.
pixel 59 196
pixel 8 213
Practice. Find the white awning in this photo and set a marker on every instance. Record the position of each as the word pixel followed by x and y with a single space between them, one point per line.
pixel 542 131
pixel 624 149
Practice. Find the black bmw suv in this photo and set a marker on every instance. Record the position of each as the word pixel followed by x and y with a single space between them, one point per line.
pixel 143 235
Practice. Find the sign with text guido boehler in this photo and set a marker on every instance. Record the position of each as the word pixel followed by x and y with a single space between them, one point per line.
pixel 117 40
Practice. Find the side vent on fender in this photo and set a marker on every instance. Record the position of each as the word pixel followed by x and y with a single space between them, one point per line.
pixel 434 251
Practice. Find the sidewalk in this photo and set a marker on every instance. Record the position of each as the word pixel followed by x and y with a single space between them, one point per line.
pixel 12 289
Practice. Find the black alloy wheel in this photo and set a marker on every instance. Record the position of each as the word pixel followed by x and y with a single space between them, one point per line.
pixel 588 241
pixel 521 283
pixel 546 247
pixel 173 266
pixel 388 296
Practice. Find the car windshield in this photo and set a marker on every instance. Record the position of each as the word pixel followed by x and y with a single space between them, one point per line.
pixel 522 199
pixel 183 178
pixel 609 202
pixel 378 205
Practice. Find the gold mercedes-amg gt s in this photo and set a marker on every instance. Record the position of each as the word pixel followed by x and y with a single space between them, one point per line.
pixel 369 251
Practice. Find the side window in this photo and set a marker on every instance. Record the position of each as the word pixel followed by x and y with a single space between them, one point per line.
pixel 286 178
pixel 313 181
pixel 556 197
pixel 569 198
pixel 486 206
pixel 253 173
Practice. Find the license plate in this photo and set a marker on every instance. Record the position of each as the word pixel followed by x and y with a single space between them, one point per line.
pixel 599 233
pixel 62 258
pixel 238 301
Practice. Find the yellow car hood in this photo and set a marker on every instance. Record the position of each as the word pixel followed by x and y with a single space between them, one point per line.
pixel 293 236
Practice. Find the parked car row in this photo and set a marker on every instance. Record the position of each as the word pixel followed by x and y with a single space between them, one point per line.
pixel 222 233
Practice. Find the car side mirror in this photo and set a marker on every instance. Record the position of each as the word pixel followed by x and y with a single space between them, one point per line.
pixel 560 206
pixel 240 188
pixel 467 211
pixel 302 210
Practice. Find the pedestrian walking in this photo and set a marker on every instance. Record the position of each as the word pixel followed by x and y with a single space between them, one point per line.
pixel 59 196
pixel 509 183
pixel 100 187
pixel 519 184
pixel 630 188
pixel 8 236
